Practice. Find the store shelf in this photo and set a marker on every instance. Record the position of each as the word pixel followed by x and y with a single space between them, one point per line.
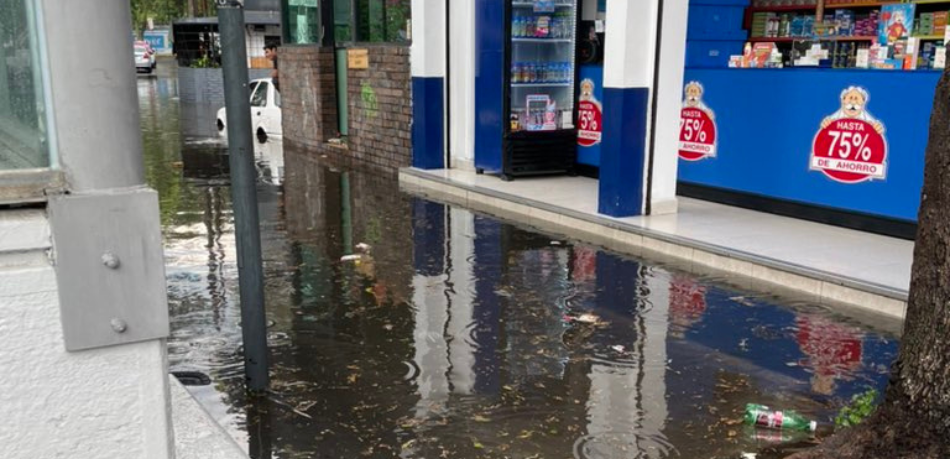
pixel 542 40
pixel 929 37
pixel 531 5
pixel 541 85
pixel 760 9
pixel 792 39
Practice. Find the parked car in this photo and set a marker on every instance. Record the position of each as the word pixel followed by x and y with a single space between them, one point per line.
pixel 144 57
pixel 265 111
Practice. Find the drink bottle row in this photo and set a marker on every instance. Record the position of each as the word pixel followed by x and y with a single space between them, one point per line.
pixel 541 27
pixel 540 72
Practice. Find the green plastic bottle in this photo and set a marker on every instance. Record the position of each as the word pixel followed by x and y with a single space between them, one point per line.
pixel 763 416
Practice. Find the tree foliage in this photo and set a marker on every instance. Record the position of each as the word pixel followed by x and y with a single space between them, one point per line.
pixel 167 11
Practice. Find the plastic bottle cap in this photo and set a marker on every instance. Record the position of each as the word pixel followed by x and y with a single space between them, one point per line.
pixel 813 425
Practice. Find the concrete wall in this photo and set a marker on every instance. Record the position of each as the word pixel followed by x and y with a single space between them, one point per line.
pixel 206 86
pixel 103 403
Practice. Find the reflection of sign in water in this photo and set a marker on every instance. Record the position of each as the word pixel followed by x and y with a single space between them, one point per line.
pixel 585 264
pixel 589 116
pixel 850 146
pixel 687 302
pixel 832 350
pixel 697 126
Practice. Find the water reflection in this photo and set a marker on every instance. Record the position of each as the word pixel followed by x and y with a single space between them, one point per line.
pixel 457 335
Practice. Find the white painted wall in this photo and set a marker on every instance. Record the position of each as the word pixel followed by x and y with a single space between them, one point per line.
pixel 102 403
pixel 461 82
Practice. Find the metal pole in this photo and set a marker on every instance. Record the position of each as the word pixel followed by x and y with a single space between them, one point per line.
pixel 244 193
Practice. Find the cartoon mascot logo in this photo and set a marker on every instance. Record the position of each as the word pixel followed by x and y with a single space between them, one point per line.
pixel 698 133
pixel 589 116
pixel 850 146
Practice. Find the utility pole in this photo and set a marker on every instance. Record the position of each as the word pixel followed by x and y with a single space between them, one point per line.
pixel 244 193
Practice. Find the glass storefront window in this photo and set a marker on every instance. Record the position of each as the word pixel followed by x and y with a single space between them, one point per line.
pixel 383 20
pixel 23 132
pixel 302 21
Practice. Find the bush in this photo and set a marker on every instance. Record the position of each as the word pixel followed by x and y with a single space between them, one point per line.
pixel 861 406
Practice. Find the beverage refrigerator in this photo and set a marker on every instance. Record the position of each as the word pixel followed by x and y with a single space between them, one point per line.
pixel 538 92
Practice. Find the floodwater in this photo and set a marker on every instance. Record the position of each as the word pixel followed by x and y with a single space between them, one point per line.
pixel 458 336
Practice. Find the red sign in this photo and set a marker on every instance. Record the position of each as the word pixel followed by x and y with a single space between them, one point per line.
pixel 697 135
pixel 589 119
pixel 850 146
pixel 589 116
pixel 850 151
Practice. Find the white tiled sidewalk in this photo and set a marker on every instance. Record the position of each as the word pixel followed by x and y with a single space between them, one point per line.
pixel 835 264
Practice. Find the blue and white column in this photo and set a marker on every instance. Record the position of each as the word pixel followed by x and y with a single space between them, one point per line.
pixel 637 172
pixel 427 58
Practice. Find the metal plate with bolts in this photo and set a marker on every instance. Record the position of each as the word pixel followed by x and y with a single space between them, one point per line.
pixel 109 268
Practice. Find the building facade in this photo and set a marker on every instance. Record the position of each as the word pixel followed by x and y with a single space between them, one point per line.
pixel 83 314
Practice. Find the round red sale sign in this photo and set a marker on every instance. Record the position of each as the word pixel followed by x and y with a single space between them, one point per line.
pixel 850 150
pixel 697 135
pixel 589 120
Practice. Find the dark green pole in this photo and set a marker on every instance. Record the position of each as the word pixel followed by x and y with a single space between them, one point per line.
pixel 244 193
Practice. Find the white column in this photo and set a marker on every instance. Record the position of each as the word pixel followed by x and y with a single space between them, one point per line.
pixel 631 63
pixel 669 103
pixel 461 82
pixel 427 62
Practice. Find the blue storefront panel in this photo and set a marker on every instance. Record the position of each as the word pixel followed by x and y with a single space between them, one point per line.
pixel 767 120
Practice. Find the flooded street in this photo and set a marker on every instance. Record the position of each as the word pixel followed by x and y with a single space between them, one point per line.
pixel 461 336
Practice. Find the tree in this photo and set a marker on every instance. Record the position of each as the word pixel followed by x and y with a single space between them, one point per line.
pixel 914 419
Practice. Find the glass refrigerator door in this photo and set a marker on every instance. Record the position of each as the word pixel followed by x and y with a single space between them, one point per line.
pixel 542 64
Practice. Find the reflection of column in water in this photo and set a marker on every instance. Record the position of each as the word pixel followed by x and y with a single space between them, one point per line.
pixel 461 277
pixel 431 306
pixel 627 408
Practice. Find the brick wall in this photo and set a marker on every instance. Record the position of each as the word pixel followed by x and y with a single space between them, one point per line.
pixel 379 103
pixel 308 95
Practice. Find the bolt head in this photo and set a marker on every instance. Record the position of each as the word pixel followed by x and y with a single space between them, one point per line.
pixel 110 260
pixel 118 325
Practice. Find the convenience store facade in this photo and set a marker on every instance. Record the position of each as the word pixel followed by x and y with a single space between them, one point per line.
pixel 843 146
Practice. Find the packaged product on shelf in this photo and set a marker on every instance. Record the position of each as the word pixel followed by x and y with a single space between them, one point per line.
pixel 897 20
pixel 940 22
pixel 543 27
pixel 940 58
pixel 844 22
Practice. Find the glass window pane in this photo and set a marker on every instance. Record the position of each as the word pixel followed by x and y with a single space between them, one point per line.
pixel 303 21
pixel 397 20
pixel 23 141
pixel 383 20
pixel 343 20
pixel 259 99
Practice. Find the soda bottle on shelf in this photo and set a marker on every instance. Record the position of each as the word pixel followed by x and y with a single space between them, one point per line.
pixel 516 73
pixel 763 416
pixel 529 27
pixel 516 26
